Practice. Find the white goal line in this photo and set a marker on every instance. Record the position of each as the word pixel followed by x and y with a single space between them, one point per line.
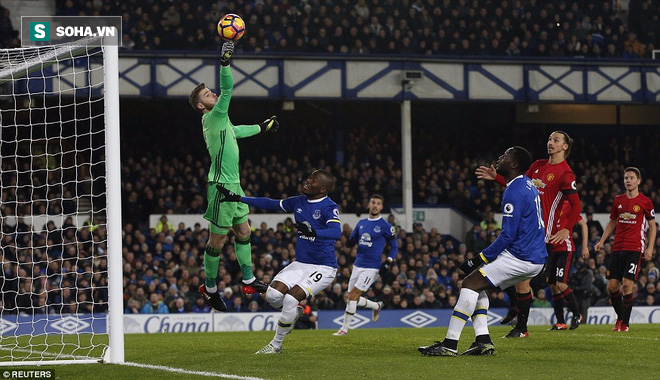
pixel 86 359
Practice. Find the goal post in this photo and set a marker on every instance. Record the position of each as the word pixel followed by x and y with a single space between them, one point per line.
pixel 115 351
pixel 61 290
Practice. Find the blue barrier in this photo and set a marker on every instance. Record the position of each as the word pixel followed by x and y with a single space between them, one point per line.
pixel 40 324
pixel 333 319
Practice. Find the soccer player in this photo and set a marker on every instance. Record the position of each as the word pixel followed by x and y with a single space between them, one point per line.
pixel 555 182
pixel 317 220
pixel 632 212
pixel 370 234
pixel 560 257
pixel 220 136
pixel 518 254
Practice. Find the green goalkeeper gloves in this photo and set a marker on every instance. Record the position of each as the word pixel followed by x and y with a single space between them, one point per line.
pixel 227 52
pixel 270 125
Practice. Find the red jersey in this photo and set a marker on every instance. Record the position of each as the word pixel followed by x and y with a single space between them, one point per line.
pixel 554 182
pixel 566 245
pixel 632 216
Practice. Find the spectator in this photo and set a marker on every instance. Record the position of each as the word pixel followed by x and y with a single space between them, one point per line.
pixel 155 305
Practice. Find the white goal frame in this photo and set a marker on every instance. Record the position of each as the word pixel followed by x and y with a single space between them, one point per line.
pixel 114 351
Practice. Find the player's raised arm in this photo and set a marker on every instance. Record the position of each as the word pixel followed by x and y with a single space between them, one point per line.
pixel 226 80
pixel 269 125
pixel 489 173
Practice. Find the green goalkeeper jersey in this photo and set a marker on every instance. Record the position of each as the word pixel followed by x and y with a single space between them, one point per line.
pixel 221 135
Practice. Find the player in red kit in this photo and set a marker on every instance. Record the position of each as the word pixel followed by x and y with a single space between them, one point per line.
pixel 632 213
pixel 558 267
pixel 555 182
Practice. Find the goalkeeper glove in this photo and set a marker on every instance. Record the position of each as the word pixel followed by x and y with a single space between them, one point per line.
pixel 306 229
pixel 227 51
pixel 230 196
pixel 385 268
pixel 471 265
pixel 271 124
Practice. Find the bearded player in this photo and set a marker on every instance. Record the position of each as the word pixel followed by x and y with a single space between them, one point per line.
pixel 220 136
pixel 555 182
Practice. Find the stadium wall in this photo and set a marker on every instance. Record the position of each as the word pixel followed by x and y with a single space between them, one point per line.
pixel 333 319
pixel 331 77
pixel 15 325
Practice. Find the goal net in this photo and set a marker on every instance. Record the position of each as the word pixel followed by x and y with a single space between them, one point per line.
pixel 61 231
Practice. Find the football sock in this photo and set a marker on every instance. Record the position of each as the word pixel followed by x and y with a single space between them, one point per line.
pixel 558 305
pixel 511 293
pixel 628 300
pixel 285 323
pixel 351 307
pixel 243 250
pixel 524 301
pixel 617 304
pixel 363 302
pixel 467 302
pixel 480 318
pixel 572 302
pixel 211 263
pixel 483 339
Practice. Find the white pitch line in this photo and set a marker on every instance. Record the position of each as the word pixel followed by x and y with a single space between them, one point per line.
pixel 619 336
pixel 189 372
pixel 148 366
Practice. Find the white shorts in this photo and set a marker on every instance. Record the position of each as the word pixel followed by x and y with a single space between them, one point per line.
pixel 362 278
pixel 311 278
pixel 507 270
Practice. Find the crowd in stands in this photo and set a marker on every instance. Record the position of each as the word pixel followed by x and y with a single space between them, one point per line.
pixel 59 268
pixel 8 35
pixel 530 28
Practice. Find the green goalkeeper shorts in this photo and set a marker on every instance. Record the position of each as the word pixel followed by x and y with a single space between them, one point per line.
pixel 224 215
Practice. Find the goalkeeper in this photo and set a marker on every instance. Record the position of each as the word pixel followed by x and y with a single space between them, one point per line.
pixel 220 136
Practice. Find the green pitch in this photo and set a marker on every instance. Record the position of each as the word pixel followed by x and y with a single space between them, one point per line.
pixel 590 352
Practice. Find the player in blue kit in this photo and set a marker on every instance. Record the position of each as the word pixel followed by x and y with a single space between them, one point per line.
pixel 516 255
pixel 317 220
pixel 370 234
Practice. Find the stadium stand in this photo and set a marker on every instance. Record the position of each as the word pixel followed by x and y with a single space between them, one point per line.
pixel 559 28
pixel 162 265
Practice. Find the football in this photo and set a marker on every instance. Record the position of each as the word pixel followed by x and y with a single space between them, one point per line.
pixel 231 27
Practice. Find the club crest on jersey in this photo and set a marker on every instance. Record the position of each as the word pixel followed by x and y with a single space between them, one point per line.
pixel 538 183
pixel 550 177
pixel 636 208
pixel 317 214
pixel 377 229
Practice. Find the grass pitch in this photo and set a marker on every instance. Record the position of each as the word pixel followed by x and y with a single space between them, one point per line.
pixel 590 352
